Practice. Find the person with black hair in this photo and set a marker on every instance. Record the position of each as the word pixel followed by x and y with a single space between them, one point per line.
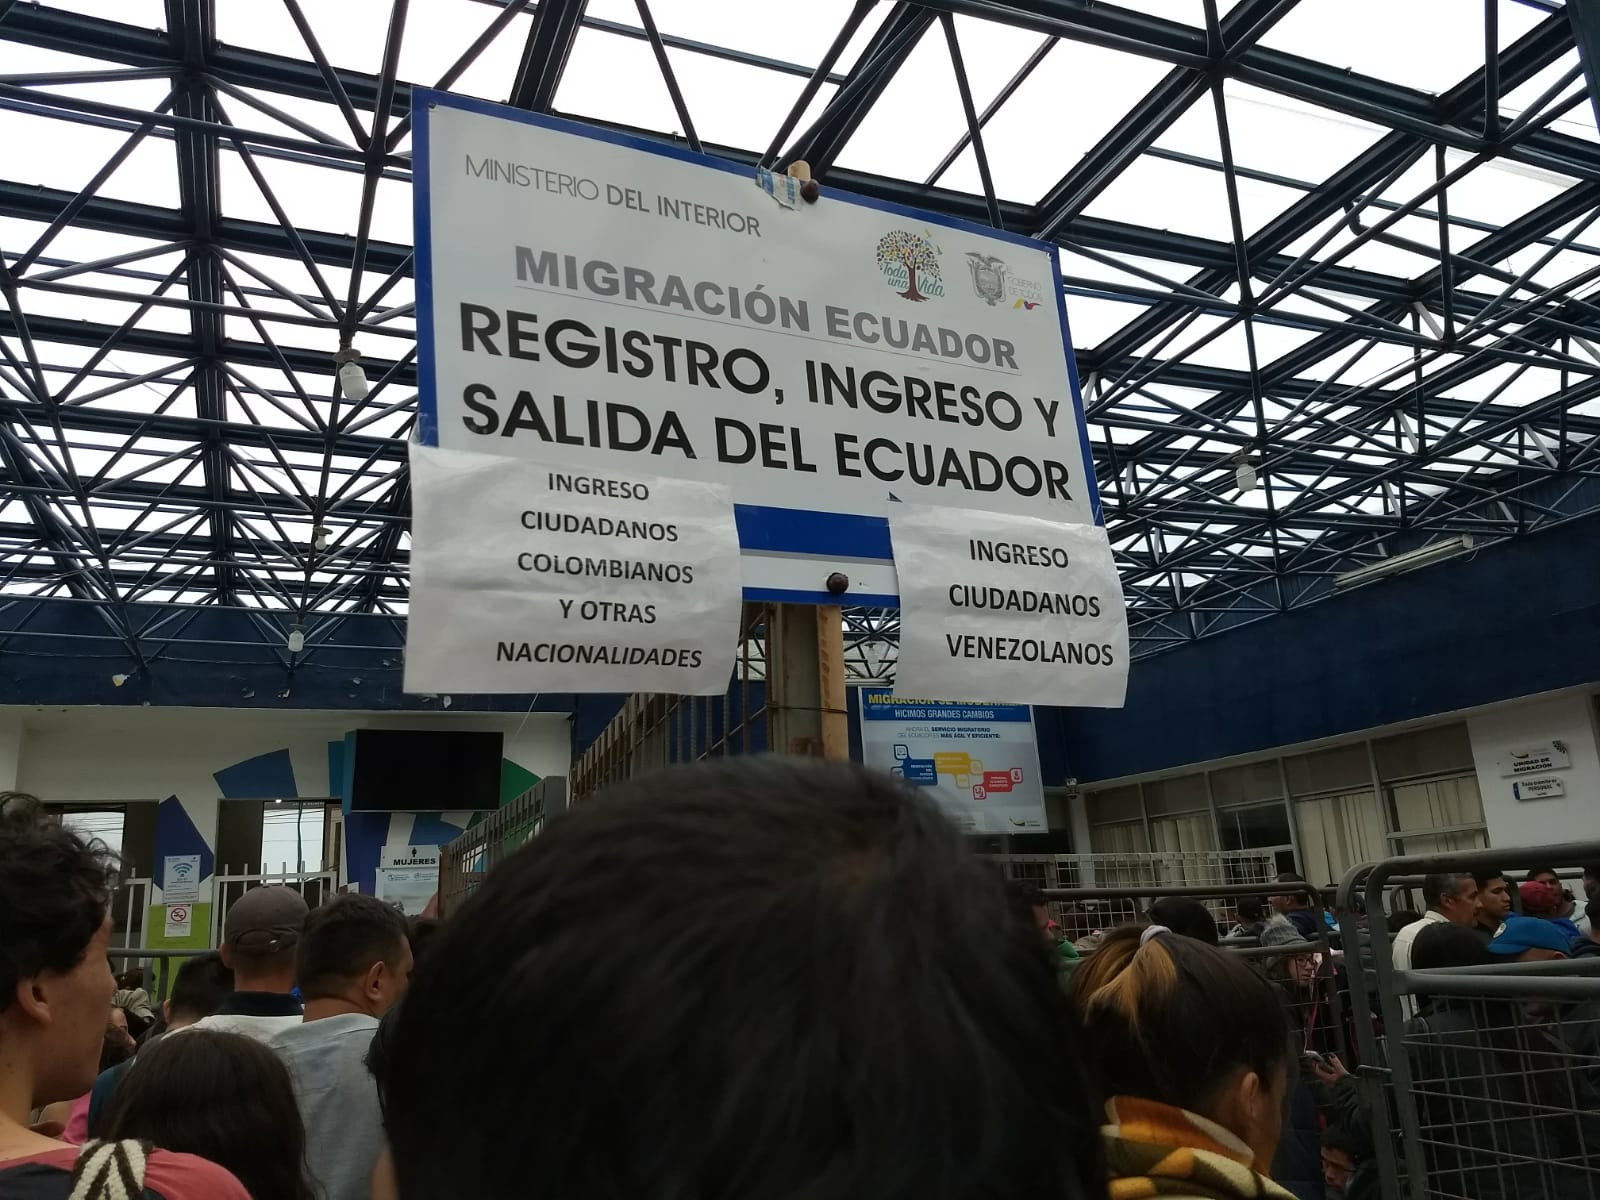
pixel 353 963
pixel 1192 1048
pixel 1338 1160
pixel 224 1097
pixel 55 991
pixel 1186 917
pixel 200 986
pixel 1588 946
pixel 420 932
pixel 1591 891
pixel 1296 907
pixel 1494 899
pixel 1400 918
pixel 1252 913
pixel 1032 906
pixel 634 1027
pixel 134 1001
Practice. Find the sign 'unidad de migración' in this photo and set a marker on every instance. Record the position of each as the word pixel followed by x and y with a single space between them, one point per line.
pixel 608 302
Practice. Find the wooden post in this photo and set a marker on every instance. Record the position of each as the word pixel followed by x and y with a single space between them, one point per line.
pixel 834 715
pixel 805 681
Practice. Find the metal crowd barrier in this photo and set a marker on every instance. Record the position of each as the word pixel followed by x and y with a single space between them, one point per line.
pixel 1491 1091
pixel 1317 1007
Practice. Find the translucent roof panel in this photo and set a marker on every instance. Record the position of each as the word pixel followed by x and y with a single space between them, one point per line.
pixel 1260 264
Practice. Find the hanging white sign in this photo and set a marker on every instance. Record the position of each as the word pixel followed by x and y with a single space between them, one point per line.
pixel 1017 608
pixel 528 577
pixel 619 303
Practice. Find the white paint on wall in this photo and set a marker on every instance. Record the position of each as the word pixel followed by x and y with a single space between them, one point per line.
pixel 1569 719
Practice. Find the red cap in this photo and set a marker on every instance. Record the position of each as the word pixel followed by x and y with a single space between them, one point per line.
pixel 1539 899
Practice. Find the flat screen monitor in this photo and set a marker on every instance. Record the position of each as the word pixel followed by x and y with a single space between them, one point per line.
pixel 424 770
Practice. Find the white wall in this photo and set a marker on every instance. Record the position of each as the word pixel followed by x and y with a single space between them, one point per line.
pixel 94 754
pixel 1569 719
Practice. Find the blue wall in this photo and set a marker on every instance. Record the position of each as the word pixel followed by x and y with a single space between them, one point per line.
pixel 1513 620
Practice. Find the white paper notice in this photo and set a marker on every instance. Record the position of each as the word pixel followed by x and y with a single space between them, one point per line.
pixel 1014 609
pixel 179 922
pixel 532 577
pixel 181 879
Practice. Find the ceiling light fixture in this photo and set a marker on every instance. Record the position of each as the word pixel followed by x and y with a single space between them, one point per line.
pixel 352 379
pixel 297 640
pixel 1398 564
pixel 1245 473
pixel 319 539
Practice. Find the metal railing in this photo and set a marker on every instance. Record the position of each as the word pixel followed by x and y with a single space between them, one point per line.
pixel 1491 1089
pixel 315 886
pixel 464 862
pixel 1135 873
pixel 655 731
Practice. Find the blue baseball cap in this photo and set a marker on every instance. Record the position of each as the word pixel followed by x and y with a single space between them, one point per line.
pixel 1517 934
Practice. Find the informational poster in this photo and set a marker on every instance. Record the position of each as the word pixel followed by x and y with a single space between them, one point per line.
pixel 616 303
pixel 529 577
pixel 1018 608
pixel 408 878
pixel 180 874
pixel 980 761
pixel 180 921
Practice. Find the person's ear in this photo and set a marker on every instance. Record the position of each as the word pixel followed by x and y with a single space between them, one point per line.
pixel 33 1000
pixel 166 1011
pixel 1242 1110
pixel 1247 1092
pixel 372 985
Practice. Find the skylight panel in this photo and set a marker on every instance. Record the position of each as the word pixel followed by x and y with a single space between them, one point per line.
pixel 765 98
pixel 1078 93
pixel 349 32
pixel 916 119
pixel 616 79
pixel 799 34
pixel 1384 40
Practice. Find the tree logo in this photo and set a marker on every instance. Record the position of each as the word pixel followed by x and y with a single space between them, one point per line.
pixel 910 263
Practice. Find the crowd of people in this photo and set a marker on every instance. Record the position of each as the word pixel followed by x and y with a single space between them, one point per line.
pixel 762 978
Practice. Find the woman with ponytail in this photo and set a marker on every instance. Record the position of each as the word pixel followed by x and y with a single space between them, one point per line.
pixel 1192 1050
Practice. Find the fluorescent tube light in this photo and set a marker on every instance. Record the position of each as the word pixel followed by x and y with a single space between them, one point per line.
pixel 1409 561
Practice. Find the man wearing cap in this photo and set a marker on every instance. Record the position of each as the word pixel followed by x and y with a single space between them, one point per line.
pixel 1530 939
pixel 260 934
pixel 1544 895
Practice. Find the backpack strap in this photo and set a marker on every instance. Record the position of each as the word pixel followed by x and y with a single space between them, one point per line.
pixel 110 1171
